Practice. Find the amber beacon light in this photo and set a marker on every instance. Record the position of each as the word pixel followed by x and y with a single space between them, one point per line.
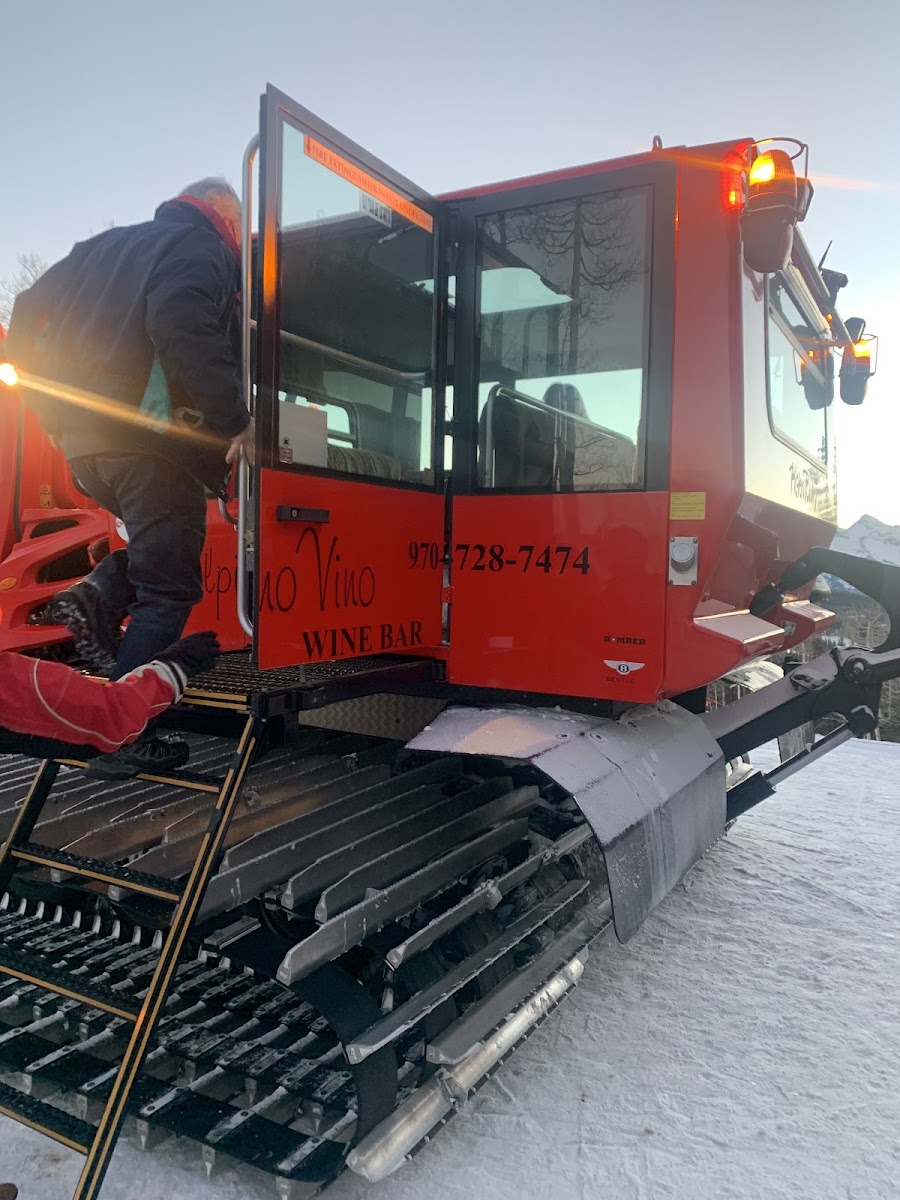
pixel 776 199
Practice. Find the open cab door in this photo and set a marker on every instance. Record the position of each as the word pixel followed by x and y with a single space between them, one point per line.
pixel 349 364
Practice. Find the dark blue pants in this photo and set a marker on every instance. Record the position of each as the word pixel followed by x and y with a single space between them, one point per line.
pixel 158 579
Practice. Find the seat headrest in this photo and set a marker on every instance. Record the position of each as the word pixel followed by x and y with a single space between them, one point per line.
pixel 566 398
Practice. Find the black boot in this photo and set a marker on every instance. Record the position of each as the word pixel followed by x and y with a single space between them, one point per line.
pixel 81 610
pixel 151 754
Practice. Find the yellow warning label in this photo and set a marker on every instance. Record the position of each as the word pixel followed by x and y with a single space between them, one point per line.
pixel 687 506
pixel 379 191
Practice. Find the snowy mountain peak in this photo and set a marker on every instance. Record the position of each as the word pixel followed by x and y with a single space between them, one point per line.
pixel 870 538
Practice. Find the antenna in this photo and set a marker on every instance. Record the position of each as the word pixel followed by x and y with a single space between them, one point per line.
pixel 825 255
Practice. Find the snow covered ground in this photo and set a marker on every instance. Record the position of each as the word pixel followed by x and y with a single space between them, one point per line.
pixel 745 1045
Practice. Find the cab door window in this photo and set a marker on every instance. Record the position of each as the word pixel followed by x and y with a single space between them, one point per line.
pixel 356 361
pixel 563 343
pixel 800 375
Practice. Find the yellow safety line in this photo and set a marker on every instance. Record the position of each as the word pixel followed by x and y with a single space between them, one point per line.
pixel 99 876
pixel 191 692
pixel 167 779
pixel 237 708
pixel 57 1137
pixel 61 991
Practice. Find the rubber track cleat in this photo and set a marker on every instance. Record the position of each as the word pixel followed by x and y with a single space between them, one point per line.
pixel 149 755
pixel 81 611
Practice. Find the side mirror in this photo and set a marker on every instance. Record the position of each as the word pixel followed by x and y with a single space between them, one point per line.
pixel 771 211
pixel 857 366
pixel 856 327
pixel 818 394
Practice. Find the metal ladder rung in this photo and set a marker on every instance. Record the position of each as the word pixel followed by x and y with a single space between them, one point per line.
pixel 35 1114
pixel 22 966
pixel 195 781
pixel 63 863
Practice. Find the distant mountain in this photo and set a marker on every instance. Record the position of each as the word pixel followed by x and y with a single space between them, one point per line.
pixel 867 538
pixel 870 538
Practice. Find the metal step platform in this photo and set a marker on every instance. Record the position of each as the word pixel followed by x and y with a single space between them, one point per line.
pixel 236 683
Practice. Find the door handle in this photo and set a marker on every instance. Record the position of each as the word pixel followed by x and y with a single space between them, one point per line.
pixel 309 516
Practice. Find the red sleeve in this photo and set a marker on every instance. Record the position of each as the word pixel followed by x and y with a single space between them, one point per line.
pixel 51 700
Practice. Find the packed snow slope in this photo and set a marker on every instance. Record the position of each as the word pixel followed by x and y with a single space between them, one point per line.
pixel 745 1044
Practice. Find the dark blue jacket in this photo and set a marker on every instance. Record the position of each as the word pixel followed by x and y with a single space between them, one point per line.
pixel 142 321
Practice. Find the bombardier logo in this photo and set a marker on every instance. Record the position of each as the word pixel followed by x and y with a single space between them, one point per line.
pixel 623 668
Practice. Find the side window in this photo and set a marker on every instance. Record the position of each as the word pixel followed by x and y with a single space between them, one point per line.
pixel 563 344
pixel 356 353
pixel 800 375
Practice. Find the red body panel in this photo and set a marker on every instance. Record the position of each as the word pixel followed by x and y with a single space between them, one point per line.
pixel 56 524
pixel 706 443
pixel 520 626
pixel 35 571
pixel 506 631
pixel 349 586
pixel 370 579
pixel 742 542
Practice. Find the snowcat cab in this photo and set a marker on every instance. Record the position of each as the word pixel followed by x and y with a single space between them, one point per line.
pixel 538 462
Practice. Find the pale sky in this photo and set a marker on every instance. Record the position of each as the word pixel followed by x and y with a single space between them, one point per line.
pixel 109 107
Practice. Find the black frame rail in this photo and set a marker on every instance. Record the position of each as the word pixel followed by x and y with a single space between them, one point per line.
pixel 846 682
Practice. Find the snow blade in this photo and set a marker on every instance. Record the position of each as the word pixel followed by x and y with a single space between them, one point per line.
pixel 651 784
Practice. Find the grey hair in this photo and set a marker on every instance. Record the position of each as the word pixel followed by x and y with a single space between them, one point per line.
pixel 214 187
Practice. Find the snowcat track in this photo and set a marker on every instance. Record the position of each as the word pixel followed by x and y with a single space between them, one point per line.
pixel 375 916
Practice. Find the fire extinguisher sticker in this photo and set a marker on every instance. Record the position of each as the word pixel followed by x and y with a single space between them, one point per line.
pixel 623 668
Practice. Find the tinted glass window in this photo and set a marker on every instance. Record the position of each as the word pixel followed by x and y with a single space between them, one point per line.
pixel 563 340
pixel 356 311
pixel 800 374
